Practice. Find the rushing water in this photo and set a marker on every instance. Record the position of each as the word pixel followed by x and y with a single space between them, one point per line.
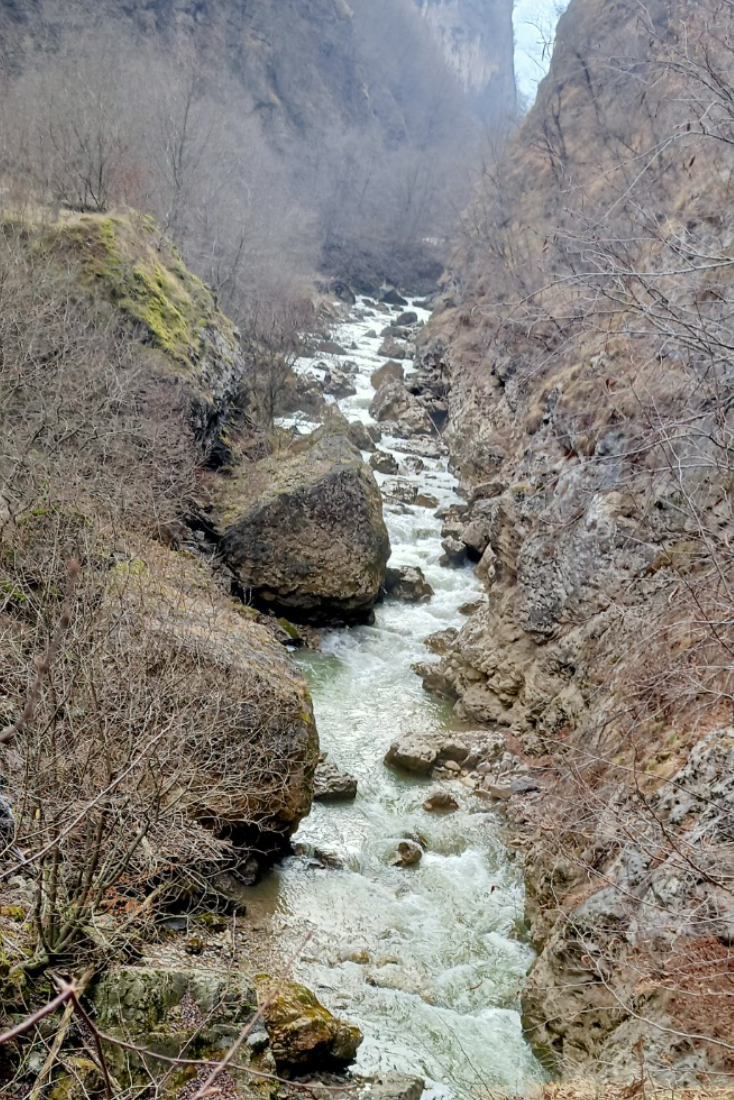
pixel 428 960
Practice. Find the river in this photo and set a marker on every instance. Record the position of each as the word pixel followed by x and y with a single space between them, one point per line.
pixel 429 960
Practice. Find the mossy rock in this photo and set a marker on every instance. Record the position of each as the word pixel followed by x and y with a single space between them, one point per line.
pixel 84 1081
pixel 148 1000
pixel 304 1036
pixel 127 261
pixel 195 1014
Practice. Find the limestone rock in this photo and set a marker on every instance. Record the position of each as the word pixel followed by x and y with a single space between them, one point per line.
pixel 393 1086
pixel 392 298
pixel 391 401
pixel 440 802
pixel 389 372
pixel 407 853
pixel 359 435
pixel 471 607
pixel 395 403
pixel 174 613
pixel 176 1013
pixel 401 490
pixel 407 583
pixel 415 421
pixel 146 1000
pixel 304 1036
pixel 333 785
pixel 130 262
pixel 384 463
pixel 441 640
pixel 311 543
pixel 413 753
pixel 338 383
pixel 454 553
pixel 390 348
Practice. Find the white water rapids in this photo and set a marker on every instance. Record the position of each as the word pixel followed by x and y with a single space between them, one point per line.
pixel 428 960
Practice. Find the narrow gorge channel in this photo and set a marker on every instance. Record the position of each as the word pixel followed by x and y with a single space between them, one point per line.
pixel 428 960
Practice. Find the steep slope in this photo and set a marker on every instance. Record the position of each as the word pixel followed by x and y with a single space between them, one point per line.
pixel 296 61
pixel 118 377
pixel 586 329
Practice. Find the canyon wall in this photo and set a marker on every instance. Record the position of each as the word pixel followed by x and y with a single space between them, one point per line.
pixel 584 327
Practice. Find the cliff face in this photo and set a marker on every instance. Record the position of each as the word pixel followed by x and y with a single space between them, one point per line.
pixel 584 327
pixel 305 66
pixel 296 61
pixel 476 39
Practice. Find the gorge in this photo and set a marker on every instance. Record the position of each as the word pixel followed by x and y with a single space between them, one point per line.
pixel 365 552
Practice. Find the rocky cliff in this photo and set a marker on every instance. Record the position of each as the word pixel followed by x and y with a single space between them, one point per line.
pixel 304 68
pixel 476 39
pixel 296 61
pixel 584 328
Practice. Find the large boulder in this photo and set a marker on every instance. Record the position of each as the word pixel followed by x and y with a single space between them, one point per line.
pixel 394 402
pixel 392 298
pixel 384 463
pixel 338 383
pixel 390 348
pixel 245 727
pixel 304 1036
pixel 413 753
pixel 391 401
pixel 191 343
pixel 360 436
pixel 388 372
pixel 304 532
pixel 147 1000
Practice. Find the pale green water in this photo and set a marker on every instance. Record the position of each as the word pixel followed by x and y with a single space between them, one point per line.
pixel 429 960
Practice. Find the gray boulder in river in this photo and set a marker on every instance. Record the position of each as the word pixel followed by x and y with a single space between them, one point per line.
pixel 304 530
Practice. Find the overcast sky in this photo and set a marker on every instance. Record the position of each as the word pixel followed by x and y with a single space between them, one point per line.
pixel 535 22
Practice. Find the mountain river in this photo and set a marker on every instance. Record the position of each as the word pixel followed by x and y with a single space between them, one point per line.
pixel 428 960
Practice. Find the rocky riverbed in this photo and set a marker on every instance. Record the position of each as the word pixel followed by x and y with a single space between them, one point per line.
pixel 411 899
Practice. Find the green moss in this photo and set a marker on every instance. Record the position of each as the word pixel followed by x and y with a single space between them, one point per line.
pixel 131 264
pixel 14 594
pixel 134 568
pixel 293 633
pixel 213 922
pixel 13 912
pixel 84 1079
